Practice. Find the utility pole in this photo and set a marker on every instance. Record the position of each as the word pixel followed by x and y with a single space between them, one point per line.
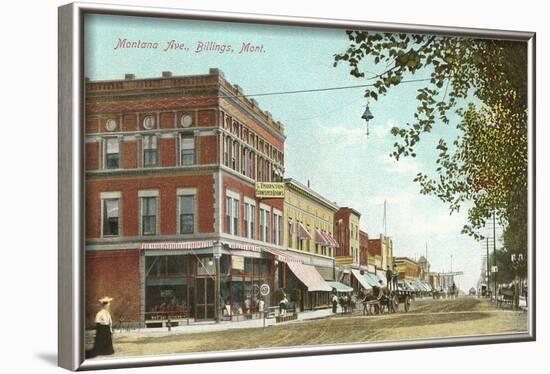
pixel 495 252
pixel 385 222
pixel 487 268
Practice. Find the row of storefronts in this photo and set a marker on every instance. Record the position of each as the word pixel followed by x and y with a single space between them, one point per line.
pixel 176 228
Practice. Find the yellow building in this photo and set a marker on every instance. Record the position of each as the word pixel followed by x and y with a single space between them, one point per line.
pixel 310 220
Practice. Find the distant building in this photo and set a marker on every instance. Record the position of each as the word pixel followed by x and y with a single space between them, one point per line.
pixel 424 268
pixel 346 231
pixel 380 252
pixel 407 268
pixel 363 248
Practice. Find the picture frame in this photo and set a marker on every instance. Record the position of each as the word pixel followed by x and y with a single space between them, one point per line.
pixel 72 181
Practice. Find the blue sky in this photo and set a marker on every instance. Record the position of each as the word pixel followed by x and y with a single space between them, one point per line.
pixel 326 141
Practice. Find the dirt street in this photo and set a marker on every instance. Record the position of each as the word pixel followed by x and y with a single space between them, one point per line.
pixel 427 319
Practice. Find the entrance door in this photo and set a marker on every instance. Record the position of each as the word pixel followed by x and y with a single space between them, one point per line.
pixel 205 298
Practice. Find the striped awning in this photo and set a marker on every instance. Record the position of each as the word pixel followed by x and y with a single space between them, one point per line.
pixel 321 239
pixel 302 232
pixel 309 276
pixel 177 245
pixel 280 255
pixel 331 240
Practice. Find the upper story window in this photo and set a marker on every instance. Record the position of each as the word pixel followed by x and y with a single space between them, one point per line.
pixel 234 153
pixel 290 231
pixel 149 215
pixel 264 224
pixel 187 150
pixel 187 211
pixel 244 160
pixel 110 216
pixel 226 144
pixel 150 150
pixel 232 215
pixel 277 229
pixel 112 153
pixel 250 164
pixel 249 220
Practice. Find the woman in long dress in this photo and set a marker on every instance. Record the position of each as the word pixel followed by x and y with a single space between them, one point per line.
pixel 103 343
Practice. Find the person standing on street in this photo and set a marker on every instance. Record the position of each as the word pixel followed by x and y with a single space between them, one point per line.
pixel 389 278
pixel 395 277
pixel 103 342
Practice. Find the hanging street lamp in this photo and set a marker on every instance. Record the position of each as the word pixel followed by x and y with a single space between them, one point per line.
pixel 367 116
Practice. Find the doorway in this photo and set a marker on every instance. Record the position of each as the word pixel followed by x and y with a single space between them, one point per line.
pixel 205 298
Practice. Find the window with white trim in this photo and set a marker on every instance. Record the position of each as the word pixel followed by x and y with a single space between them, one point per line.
pixel 252 228
pixel 150 150
pixel 187 211
pixel 112 153
pixel 187 150
pixel 290 231
pixel 110 217
pixel 149 215
pixel 228 214
pixel 234 153
pixel 236 225
pixel 277 229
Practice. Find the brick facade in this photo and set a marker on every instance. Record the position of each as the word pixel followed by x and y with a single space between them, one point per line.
pixel 180 111
pixel 115 274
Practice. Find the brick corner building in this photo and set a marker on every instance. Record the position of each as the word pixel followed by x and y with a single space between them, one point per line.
pixel 173 226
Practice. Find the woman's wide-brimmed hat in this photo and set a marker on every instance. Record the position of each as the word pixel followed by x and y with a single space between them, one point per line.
pixel 105 299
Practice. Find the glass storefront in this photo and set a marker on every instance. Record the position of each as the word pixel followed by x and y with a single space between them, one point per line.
pixel 184 286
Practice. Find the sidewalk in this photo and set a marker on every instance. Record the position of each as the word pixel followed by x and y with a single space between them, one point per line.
pixel 198 327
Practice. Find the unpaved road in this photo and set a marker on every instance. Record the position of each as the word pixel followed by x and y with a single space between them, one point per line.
pixel 427 318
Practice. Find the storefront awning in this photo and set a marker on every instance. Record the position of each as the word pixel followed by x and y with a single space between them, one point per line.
pixel 177 245
pixel 321 239
pixel 366 280
pixel 302 232
pixel 309 276
pixel 340 287
pixel 279 254
pixel 331 240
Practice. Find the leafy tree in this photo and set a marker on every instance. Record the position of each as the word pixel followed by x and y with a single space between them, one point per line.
pixel 485 83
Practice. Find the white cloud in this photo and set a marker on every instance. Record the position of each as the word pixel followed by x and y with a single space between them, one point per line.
pixel 382 131
pixel 406 165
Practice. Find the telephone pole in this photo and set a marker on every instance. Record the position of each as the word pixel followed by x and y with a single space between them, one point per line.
pixel 495 252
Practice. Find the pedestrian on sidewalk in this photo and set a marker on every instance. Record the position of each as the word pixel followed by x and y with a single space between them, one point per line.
pixel 334 303
pixel 103 342
pixel 261 304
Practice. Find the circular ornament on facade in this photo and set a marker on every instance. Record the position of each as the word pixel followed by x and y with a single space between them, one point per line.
pixel 264 289
pixel 186 120
pixel 110 125
pixel 148 123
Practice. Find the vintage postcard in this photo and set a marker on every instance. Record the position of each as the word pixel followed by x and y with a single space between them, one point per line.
pixel 257 186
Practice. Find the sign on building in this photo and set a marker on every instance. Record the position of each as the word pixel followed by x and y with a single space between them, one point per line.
pixel 270 190
pixel 237 262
